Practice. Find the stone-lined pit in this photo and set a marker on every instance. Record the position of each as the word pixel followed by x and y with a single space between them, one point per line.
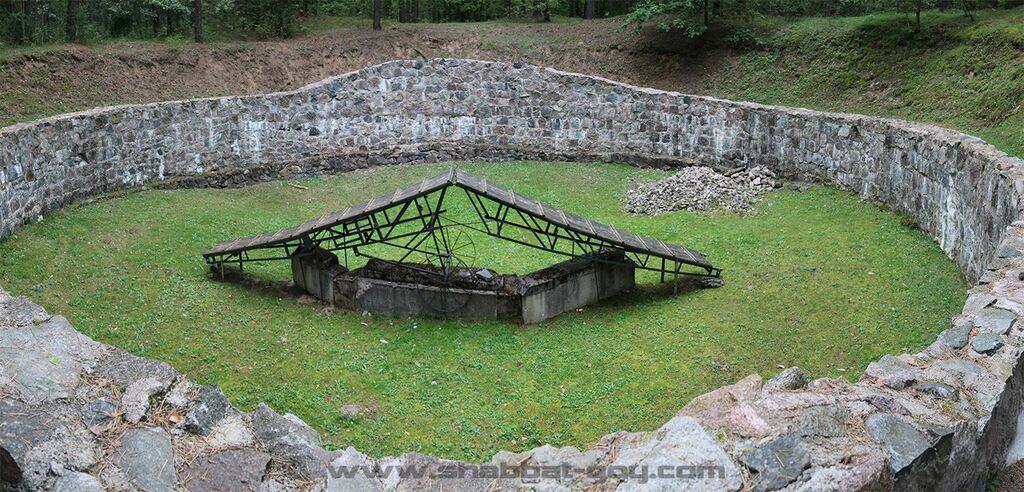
pixel 944 418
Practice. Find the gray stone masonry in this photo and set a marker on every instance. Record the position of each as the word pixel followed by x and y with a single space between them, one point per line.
pixel 959 189
pixel 941 419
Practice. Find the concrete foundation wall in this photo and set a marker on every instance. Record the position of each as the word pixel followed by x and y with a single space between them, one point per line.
pixel 314 272
pixel 378 296
pixel 593 282
pixel 580 282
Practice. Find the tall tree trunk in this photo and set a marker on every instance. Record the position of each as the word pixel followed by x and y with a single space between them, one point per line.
pixel 967 8
pixel 197 20
pixel 547 11
pixel 26 29
pixel 415 10
pixel 376 15
pixel 707 14
pixel 401 11
pixel 71 27
pixel 589 10
pixel 918 4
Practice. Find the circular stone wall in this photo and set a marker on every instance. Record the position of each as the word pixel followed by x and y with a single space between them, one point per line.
pixel 943 418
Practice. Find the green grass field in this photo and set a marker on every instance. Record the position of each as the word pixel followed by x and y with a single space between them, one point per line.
pixel 816 279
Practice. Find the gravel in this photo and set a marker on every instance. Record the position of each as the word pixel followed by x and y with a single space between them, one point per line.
pixel 700 189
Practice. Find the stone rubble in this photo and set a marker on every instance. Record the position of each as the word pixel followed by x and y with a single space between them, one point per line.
pixel 135 400
pixel 146 457
pixel 700 189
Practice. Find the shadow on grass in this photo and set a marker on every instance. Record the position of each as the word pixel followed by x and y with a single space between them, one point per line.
pixel 643 294
pixel 651 293
pixel 262 286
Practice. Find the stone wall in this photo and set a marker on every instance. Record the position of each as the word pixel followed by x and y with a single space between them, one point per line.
pixel 945 418
pixel 959 189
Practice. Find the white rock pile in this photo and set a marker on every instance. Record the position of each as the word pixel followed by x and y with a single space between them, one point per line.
pixel 699 189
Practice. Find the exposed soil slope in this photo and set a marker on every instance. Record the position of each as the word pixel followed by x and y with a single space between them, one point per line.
pixel 48 81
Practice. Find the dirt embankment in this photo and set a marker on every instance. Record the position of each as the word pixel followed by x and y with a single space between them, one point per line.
pixel 51 81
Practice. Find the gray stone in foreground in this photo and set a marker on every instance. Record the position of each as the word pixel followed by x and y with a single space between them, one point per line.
pixel 987 343
pixel 778 462
pixel 888 404
pixel 293 444
pixel 792 378
pixel 995 320
pixel 21 311
pixel 21 426
pixel 44 362
pixel 135 400
pixel 822 421
pixel 36 440
pixel 98 414
pixel 681 442
pixel 871 474
pixel 891 371
pixel 435 473
pixel 902 440
pixel 298 459
pixel 271 427
pixel 180 394
pixel 230 432
pixel 956 337
pixel 77 482
pixel 939 390
pixel 210 407
pixel 977 302
pixel 961 366
pixel 146 457
pixel 339 480
pixel 123 369
pixel 233 470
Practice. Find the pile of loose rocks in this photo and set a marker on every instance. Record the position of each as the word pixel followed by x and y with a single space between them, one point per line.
pixel 699 189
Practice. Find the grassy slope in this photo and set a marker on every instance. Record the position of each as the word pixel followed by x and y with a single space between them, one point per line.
pixel 129 272
pixel 954 73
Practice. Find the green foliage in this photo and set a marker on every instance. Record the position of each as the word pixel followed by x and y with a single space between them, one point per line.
pixel 40 22
pixel 539 9
pixel 43 21
pixel 681 15
pixel 691 17
pixel 272 18
pixel 816 279
pixel 743 38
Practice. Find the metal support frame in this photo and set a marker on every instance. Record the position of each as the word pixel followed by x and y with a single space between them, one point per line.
pixel 547 236
pixel 416 225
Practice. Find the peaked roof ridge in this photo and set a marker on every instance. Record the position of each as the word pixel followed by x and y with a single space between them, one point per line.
pixel 474 184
